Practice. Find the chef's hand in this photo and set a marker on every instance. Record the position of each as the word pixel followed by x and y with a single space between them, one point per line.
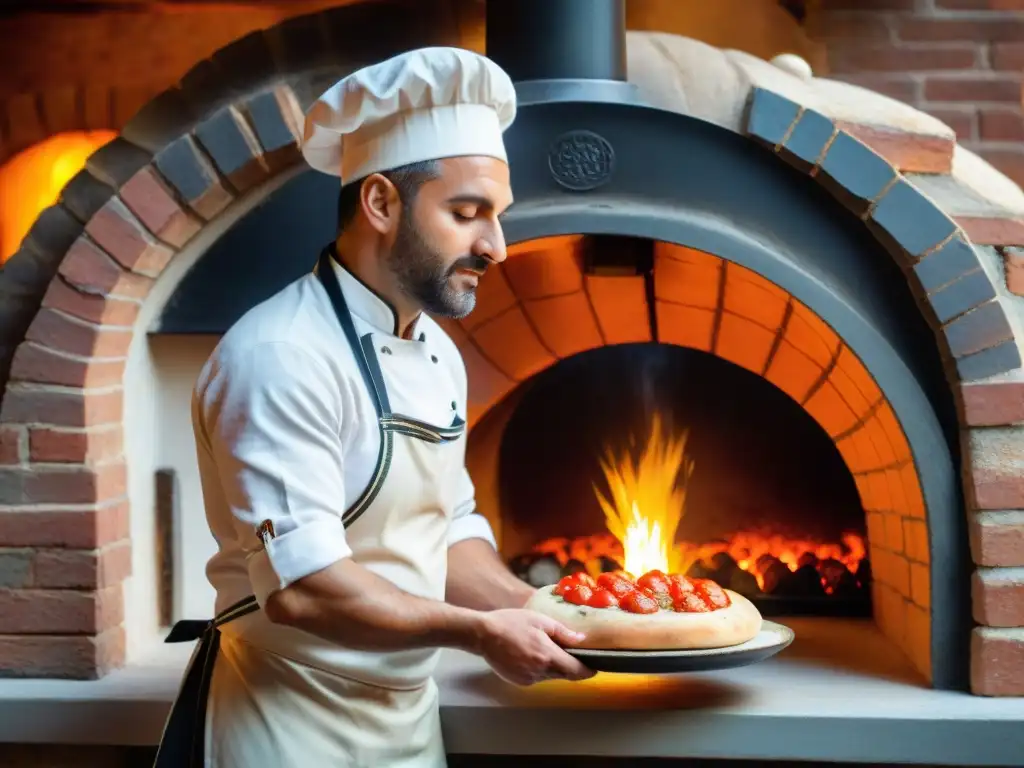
pixel 523 647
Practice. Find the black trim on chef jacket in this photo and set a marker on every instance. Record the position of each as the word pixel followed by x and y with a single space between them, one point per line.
pixel 182 744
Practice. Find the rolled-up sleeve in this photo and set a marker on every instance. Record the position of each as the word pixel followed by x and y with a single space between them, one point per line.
pixel 467 523
pixel 271 416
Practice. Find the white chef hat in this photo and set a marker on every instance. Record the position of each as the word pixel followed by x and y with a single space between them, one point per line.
pixel 421 105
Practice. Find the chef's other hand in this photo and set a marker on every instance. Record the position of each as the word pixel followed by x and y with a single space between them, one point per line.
pixel 523 647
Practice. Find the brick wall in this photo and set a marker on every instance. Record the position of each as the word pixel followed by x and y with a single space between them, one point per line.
pixel 960 60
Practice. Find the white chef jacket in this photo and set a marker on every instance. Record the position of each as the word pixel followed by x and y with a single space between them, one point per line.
pixel 286 430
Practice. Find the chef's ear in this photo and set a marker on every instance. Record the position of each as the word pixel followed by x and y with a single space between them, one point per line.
pixel 380 202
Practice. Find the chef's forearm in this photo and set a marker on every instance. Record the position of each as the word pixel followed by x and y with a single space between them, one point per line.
pixel 347 604
pixel 478 579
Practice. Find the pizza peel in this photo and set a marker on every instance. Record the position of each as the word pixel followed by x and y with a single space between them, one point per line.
pixel 772 639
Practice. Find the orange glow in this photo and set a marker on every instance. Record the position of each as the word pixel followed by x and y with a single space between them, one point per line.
pixel 32 180
pixel 647 502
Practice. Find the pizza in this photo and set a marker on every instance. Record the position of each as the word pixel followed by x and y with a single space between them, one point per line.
pixel 656 611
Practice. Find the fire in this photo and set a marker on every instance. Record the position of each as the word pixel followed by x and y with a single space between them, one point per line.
pixel 646 503
pixel 32 180
pixel 648 499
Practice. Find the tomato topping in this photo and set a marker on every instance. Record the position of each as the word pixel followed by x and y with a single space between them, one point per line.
pixel 616 584
pixel 602 598
pixel 654 583
pixel 585 579
pixel 638 602
pixel 578 594
pixel 691 602
pixel 713 594
pixel 564 584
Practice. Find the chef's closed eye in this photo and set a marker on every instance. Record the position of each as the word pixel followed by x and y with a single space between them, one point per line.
pixel 466 213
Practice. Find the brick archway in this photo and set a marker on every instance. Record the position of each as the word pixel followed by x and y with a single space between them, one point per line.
pixel 192 152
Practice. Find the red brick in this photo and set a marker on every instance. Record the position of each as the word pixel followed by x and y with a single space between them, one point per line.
pixel 12 445
pixel 83 569
pixel 973 30
pixel 910 152
pixel 74 484
pixel 119 233
pixel 61 109
pixel 997 661
pixel 64 333
pixel 75 657
pixel 980 5
pixel 871 5
pixel 54 527
pixel 962 121
pixel 1013 262
pixel 96 106
pixel 24 122
pixel 997 537
pixel 971 89
pixel 889 58
pixel 45 611
pixel 992 230
pixel 149 198
pixel 997 489
pixel 38 364
pixel 88 306
pixel 1007 161
pixel 75 446
pixel 1002 124
pixel 900 87
pixel 88 268
pixel 841 27
pixel 1008 56
pixel 62 408
pixel 997 596
pixel 993 404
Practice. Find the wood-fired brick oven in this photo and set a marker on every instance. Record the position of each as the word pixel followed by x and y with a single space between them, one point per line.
pixel 823 242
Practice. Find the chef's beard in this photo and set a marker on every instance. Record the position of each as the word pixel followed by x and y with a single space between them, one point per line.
pixel 423 276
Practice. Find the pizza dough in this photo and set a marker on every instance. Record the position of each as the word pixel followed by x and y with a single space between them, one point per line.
pixel 666 629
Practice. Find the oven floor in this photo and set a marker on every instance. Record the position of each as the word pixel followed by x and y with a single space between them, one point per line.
pixel 841 693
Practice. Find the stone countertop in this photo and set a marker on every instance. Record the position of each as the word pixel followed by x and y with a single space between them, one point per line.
pixel 839 693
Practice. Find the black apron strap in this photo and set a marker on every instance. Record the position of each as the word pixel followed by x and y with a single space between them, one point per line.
pixel 183 742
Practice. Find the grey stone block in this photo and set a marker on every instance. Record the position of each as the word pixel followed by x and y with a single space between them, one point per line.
pixel 118 161
pixel 969 291
pixel 770 116
pixel 994 360
pixel 911 219
pixel 946 264
pixel 221 136
pixel 855 169
pixel 246 63
pixel 53 232
pixel 84 195
pixel 160 121
pixel 979 329
pixel 181 165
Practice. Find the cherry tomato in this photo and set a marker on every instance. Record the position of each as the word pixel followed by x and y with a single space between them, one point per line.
pixel 602 598
pixel 654 583
pixel 615 584
pixel 566 583
pixel 584 578
pixel 713 594
pixel 691 602
pixel 578 594
pixel 638 602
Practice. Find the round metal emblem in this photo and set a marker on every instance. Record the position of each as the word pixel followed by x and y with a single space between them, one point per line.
pixel 581 160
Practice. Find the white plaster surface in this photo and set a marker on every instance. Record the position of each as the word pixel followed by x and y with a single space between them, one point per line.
pixel 840 692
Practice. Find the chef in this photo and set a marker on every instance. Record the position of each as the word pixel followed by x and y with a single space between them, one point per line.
pixel 330 431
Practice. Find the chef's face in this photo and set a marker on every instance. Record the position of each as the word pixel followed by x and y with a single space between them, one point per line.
pixel 450 233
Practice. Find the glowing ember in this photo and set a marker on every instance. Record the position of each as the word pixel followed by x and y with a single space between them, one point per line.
pixel 646 503
pixel 648 499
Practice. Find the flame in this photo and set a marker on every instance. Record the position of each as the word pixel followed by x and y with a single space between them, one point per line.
pixel 31 181
pixel 647 501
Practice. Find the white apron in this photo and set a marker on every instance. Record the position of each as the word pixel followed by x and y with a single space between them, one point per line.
pixel 260 694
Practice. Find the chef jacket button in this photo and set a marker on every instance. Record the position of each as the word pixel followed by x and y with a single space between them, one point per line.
pixel 453 405
pixel 386 350
pixel 433 358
